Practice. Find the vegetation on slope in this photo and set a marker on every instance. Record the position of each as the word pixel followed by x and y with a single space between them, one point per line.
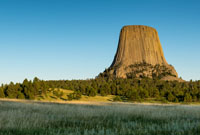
pixel 124 89
pixel 141 70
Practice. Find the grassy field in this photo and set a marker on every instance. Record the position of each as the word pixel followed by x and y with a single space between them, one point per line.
pixel 107 119
pixel 52 97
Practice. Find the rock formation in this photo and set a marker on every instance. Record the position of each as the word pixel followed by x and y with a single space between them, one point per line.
pixel 140 54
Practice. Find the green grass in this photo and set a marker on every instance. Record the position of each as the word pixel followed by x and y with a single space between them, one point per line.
pixel 51 97
pixel 110 119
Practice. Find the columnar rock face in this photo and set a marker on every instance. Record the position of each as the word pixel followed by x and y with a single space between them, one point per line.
pixel 139 45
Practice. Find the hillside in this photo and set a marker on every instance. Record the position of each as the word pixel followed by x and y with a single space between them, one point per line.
pixel 61 95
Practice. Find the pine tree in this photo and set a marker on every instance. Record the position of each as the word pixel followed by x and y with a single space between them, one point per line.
pixel 2 95
pixel 11 90
pixel 170 97
pixel 188 98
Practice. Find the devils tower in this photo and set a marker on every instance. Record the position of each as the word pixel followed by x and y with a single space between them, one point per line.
pixel 140 54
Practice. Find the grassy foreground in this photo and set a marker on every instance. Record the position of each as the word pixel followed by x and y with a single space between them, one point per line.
pixel 109 119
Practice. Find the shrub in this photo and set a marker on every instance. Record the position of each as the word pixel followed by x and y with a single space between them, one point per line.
pixel 75 95
pixel 117 98
pixel 20 95
pixel 188 98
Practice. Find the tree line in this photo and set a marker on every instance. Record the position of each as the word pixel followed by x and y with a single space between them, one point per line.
pixel 124 89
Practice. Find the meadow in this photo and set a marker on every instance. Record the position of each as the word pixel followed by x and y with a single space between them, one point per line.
pixel 31 118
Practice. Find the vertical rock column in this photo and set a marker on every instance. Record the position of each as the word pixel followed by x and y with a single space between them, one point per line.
pixel 138 44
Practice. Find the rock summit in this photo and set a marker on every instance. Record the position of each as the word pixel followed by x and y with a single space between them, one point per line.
pixel 140 54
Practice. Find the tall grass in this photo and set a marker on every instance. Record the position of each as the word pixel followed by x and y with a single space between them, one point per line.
pixel 116 119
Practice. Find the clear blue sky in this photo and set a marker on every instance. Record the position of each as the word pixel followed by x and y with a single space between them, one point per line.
pixel 77 39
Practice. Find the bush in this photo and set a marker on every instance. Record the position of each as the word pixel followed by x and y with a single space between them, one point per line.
pixel 75 95
pixel 171 97
pixel 117 98
pixel 20 95
pixel 188 98
pixel 163 100
pixel 56 93
pixel 91 91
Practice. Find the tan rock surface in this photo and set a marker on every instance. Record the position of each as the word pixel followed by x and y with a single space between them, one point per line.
pixel 138 44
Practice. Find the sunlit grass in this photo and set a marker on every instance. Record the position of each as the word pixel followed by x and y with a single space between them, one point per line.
pixel 51 97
